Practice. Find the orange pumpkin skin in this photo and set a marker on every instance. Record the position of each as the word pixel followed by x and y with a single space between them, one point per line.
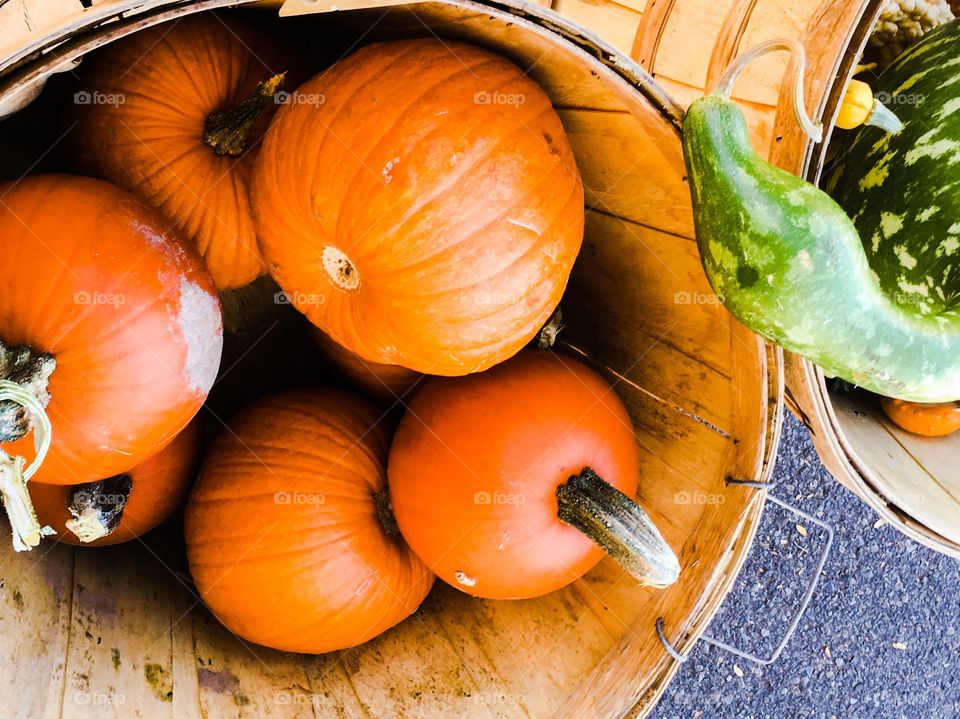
pixel 385 382
pixel 160 484
pixel 416 216
pixel 91 276
pixel 149 96
pixel 283 535
pixel 476 462
pixel 929 420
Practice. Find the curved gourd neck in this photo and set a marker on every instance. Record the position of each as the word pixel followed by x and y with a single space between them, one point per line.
pixel 788 262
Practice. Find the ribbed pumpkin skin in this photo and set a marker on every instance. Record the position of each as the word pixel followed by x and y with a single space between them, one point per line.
pixel 316 572
pixel 171 78
pixel 385 382
pixel 160 484
pixel 128 311
pixel 461 218
pixel 476 462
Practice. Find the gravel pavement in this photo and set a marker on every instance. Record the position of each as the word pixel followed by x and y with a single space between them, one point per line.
pixel 880 639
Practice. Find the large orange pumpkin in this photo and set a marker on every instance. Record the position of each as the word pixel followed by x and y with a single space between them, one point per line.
pixel 154 116
pixel 388 383
pixel 508 483
pixel 123 507
pixel 289 534
pixel 107 319
pixel 427 212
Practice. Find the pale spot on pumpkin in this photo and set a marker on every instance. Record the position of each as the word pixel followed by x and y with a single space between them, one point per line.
pixel 805 261
pixel 906 259
pixel 890 223
pixel 933 150
pixel 525 226
pixel 950 245
pixel 340 270
pixel 464 578
pixel 388 169
pixel 949 107
pixel 878 173
pixel 201 325
pixel 928 213
pixel 907 287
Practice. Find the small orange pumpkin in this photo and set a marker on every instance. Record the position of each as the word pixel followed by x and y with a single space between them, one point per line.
pixel 174 114
pixel 289 534
pixel 108 322
pixel 508 483
pixel 126 343
pixel 385 382
pixel 929 420
pixel 121 508
pixel 427 212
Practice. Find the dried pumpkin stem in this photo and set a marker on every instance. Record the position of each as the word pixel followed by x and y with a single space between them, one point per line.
pixel 97 507
pixel 31 371
pixel 26 528
pixel 547 336
pixel 227 132
pixel 619 525
pixel 385 512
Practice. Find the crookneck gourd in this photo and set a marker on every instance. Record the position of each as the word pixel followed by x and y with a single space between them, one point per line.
pixel 789 264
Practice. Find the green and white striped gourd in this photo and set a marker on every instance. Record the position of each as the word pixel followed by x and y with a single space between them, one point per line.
pixel 789 263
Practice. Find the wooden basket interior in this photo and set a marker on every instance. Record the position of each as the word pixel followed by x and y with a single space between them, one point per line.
pixel 119 629
pixel 916 474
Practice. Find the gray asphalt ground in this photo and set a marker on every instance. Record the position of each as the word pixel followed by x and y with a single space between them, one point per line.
pixel 880 639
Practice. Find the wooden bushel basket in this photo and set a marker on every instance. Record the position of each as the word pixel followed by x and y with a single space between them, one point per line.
pixel 910 481
pixel 107 632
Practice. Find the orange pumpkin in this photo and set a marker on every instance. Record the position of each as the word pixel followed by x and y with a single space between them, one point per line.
pixel 108 319
pixel 174 113
pixel 427 212
pixel 385 382
pixel 508 483
pixel 929 420
pixel 120 508
pixel 289 534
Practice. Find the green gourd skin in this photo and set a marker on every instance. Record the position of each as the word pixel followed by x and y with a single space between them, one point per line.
pixel 789 265
pixel 903 191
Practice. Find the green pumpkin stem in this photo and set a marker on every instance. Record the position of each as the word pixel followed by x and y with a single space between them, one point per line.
pixel 97 507
pixel 227 132
pixel 619 525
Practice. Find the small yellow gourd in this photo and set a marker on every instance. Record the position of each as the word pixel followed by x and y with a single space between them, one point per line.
pixel 860 107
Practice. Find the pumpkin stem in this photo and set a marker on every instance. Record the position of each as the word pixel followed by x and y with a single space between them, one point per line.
pixel 385 512
pixel 32 372
pixel 619 525
pixel 227 132
pixel 547 337
pixel 97 507
pixel 24 524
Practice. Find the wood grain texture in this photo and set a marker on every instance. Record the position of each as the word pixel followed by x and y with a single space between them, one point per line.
pixel 702 392
pixel 616 23
pixel 917 474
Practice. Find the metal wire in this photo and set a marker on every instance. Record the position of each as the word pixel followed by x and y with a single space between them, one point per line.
pixel 794 622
